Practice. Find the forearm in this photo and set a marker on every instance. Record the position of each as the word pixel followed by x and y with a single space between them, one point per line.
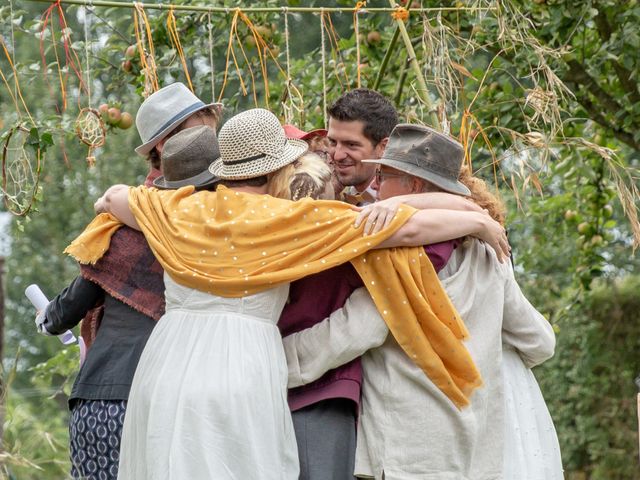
pixel 116 202
pixel 524 328
pixel 438 200
pixel 432 226
pixel 69 307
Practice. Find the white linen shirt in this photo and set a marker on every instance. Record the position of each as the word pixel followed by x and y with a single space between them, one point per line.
pixel 408 429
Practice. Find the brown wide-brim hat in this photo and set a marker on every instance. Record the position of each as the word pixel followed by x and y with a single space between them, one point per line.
pixel 425 153
pixel 253 144
pixel 186 158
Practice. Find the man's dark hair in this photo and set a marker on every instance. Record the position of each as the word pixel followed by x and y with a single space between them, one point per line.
pixel 371 108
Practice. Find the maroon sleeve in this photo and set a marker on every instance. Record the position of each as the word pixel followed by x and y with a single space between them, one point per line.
pixel 439 253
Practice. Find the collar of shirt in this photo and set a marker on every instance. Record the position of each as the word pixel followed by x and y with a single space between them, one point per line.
pixel 359 199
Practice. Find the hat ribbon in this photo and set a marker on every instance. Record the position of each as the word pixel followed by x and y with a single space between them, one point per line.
pixel 191 108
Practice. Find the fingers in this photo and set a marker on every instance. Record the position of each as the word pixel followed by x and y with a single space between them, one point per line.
pixel 378 219
pixel 98 207
pixel 473 206
pixel 364 213
pixel 504 249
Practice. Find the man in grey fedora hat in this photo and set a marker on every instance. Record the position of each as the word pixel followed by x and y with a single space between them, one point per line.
pixel 407 429
pixel 164 113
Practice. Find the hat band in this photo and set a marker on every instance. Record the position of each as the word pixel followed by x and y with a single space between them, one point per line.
pixel 247 159
pixel 190 109
pixel 243 160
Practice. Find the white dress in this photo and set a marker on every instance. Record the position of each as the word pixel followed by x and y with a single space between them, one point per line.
pixel 531 445
pixel 209 396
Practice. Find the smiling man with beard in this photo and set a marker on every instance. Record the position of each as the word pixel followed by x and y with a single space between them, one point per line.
pixel 360 123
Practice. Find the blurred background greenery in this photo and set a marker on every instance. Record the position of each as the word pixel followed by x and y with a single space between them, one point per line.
pixel 544 94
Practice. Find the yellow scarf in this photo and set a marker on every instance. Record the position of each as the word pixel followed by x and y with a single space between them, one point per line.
pixel 234 244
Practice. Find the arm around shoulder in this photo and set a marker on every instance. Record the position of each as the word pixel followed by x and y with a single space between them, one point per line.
pixel 348 333
pixel 116 202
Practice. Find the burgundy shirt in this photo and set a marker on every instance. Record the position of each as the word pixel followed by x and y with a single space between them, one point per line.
pixel 314 298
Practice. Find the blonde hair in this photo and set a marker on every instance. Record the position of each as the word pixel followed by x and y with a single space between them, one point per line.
pixel 318 143
pixel 308 176
pixel 481 195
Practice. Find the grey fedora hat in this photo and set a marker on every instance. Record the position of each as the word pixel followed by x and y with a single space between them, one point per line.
pixel 163 111
pixel 252 144
pixel 425 153
pixel 186 158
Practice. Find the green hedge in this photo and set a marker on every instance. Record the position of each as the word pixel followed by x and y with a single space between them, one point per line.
pixel 589 384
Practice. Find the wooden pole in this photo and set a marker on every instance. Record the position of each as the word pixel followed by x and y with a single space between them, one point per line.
pixel 196 8
pixel 422 90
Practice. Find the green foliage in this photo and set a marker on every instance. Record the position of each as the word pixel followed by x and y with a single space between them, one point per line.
pixel 589 383
pixel 546 91
pixel 35 433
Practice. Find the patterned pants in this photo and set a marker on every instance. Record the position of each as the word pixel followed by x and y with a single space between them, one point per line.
pixel 95 429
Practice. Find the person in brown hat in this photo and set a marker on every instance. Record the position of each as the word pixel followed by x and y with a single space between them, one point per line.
pixel 229 256
pixel 428 438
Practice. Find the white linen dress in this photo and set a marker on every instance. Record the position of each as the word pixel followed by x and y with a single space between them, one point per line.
pixel 209 396
pixel 531 449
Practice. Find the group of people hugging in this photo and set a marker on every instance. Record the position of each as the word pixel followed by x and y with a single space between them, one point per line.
pixel 275 304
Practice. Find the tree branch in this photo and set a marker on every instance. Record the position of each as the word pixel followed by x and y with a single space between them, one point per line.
pixel 624 75
pixel 595 114
pixel 578 75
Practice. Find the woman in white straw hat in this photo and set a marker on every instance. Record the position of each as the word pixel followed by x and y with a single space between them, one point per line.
pixel 209 396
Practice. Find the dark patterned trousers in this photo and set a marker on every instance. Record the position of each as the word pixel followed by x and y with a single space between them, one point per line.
pixel 95 429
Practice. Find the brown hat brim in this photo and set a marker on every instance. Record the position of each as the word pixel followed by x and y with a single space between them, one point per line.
pixel 201 180
pixel 445 184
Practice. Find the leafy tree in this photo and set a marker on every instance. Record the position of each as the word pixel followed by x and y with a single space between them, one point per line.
pixel 542 92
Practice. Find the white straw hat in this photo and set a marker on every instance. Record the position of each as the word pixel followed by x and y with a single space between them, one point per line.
pixel 163 111
pixel 253 144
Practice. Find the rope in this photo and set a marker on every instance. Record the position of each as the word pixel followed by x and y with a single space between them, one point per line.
pixel 86 50
pixel 263 49
pixel 143 31
pixel 172 29
pixel 47 17
pixel 288 112
pixel 72 62
pixel 286 41
pixel 213 83
pixel 324 69
pixel 13 40
pixel 225 10
pixel 335 50
pixel 356 29
pixel 16 84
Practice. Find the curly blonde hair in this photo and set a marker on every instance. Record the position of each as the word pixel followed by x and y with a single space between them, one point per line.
pixel 481 195
pixel 308 176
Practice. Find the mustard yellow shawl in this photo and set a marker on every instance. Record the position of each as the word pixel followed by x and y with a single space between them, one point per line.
pixel 234 244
